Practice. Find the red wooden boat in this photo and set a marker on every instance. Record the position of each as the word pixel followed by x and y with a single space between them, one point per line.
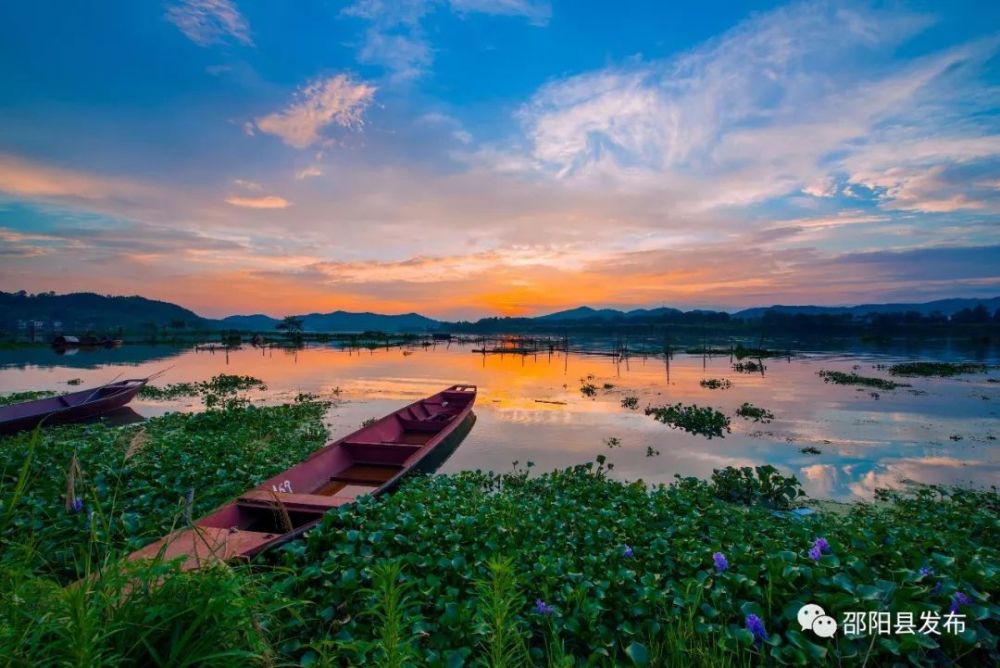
pixel 371 460
pixel 71 407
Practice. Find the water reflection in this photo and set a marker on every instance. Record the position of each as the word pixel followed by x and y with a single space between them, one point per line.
pixel 530 408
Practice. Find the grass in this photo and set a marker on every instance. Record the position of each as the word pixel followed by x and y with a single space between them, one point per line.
pixel 605 573
pixel 567 568
pixel 694 419
pixel 935 368
pixel 841 378
pixel 131 485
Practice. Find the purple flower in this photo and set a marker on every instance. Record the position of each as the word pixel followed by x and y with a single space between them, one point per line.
pixel 628 552
pixel 958 600
pixel 77 504
pixel 937 588
pixel 926 571
pixel 815 553
pixel 543 609
pixel 721 564
pixel 756 626
pixel 822 545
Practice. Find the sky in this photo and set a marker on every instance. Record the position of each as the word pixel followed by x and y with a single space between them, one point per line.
pixel 464 158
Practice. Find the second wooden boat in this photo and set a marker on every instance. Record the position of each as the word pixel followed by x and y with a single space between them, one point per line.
pixel 371 460
pixel 71 407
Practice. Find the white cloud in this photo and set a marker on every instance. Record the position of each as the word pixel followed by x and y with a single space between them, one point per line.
pixel 264 202
pixel 536 11
pixel 207 22
pixel 336 100
pixel 395 38
pixel 308 172
pixel 776 106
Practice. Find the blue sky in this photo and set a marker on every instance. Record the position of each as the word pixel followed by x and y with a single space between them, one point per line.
pixel 468 157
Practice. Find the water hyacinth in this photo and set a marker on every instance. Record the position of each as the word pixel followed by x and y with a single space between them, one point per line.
pixel 958 600
pixel 926 571
pixel 822 545
pixel 721 563
pixel 755 625
pixel 815 553
pixel 542 608
pixel 76 505
pixel 628 552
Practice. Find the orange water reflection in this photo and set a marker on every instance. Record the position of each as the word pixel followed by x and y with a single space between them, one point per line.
pixel 531 408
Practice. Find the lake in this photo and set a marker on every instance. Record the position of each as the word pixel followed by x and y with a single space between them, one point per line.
pixel 530 408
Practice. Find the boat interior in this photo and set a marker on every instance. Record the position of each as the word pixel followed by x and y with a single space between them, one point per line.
pixel 339 473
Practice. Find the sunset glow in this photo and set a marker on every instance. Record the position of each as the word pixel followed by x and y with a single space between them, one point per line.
pixel 464 159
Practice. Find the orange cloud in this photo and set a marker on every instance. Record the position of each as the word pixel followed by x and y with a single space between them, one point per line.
pixel 265 202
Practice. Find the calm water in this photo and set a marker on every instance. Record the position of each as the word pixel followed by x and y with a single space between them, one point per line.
pixel 937 431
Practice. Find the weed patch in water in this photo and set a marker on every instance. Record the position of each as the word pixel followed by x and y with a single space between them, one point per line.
pixel 694 419
pixel 841 378
pixel 748 411
pixel 749 367
pixel 942 369
pixel 630 402
pixel 715 383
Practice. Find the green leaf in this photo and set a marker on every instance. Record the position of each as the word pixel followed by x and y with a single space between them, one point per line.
pixel 638 653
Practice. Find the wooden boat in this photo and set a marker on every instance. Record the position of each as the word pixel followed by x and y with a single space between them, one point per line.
pixel 371 460
pixel 71 407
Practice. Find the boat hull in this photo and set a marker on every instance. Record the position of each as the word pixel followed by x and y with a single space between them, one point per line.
pixel 73 407
pixel 372 461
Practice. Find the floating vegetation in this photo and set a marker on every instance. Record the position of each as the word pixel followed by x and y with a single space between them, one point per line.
pixel 506 558
pixel 369 422
pixel 166 392
pixel 18 397
pixel 748 411
pixel 550 401
pixel 935 368
pixel 749 367
pixel 212 390
pixel 613 442
pixel 810 450
pixel 841 378
pixel 716 383
pixel 608 386
pixel 588 389
pixel 630 402
pixel 761 485
pixel 651 452
pixel 955 437
pixel 74 381
pixel 131 478
pixel 694 419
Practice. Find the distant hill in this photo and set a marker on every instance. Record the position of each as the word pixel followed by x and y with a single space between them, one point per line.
pixel 343 321
pixel 81 311
pixel 338 321
pixel 588 313
pixel 945 306
pixel 257 322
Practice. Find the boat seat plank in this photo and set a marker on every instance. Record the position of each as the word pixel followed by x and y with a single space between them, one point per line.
pixel 264 498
